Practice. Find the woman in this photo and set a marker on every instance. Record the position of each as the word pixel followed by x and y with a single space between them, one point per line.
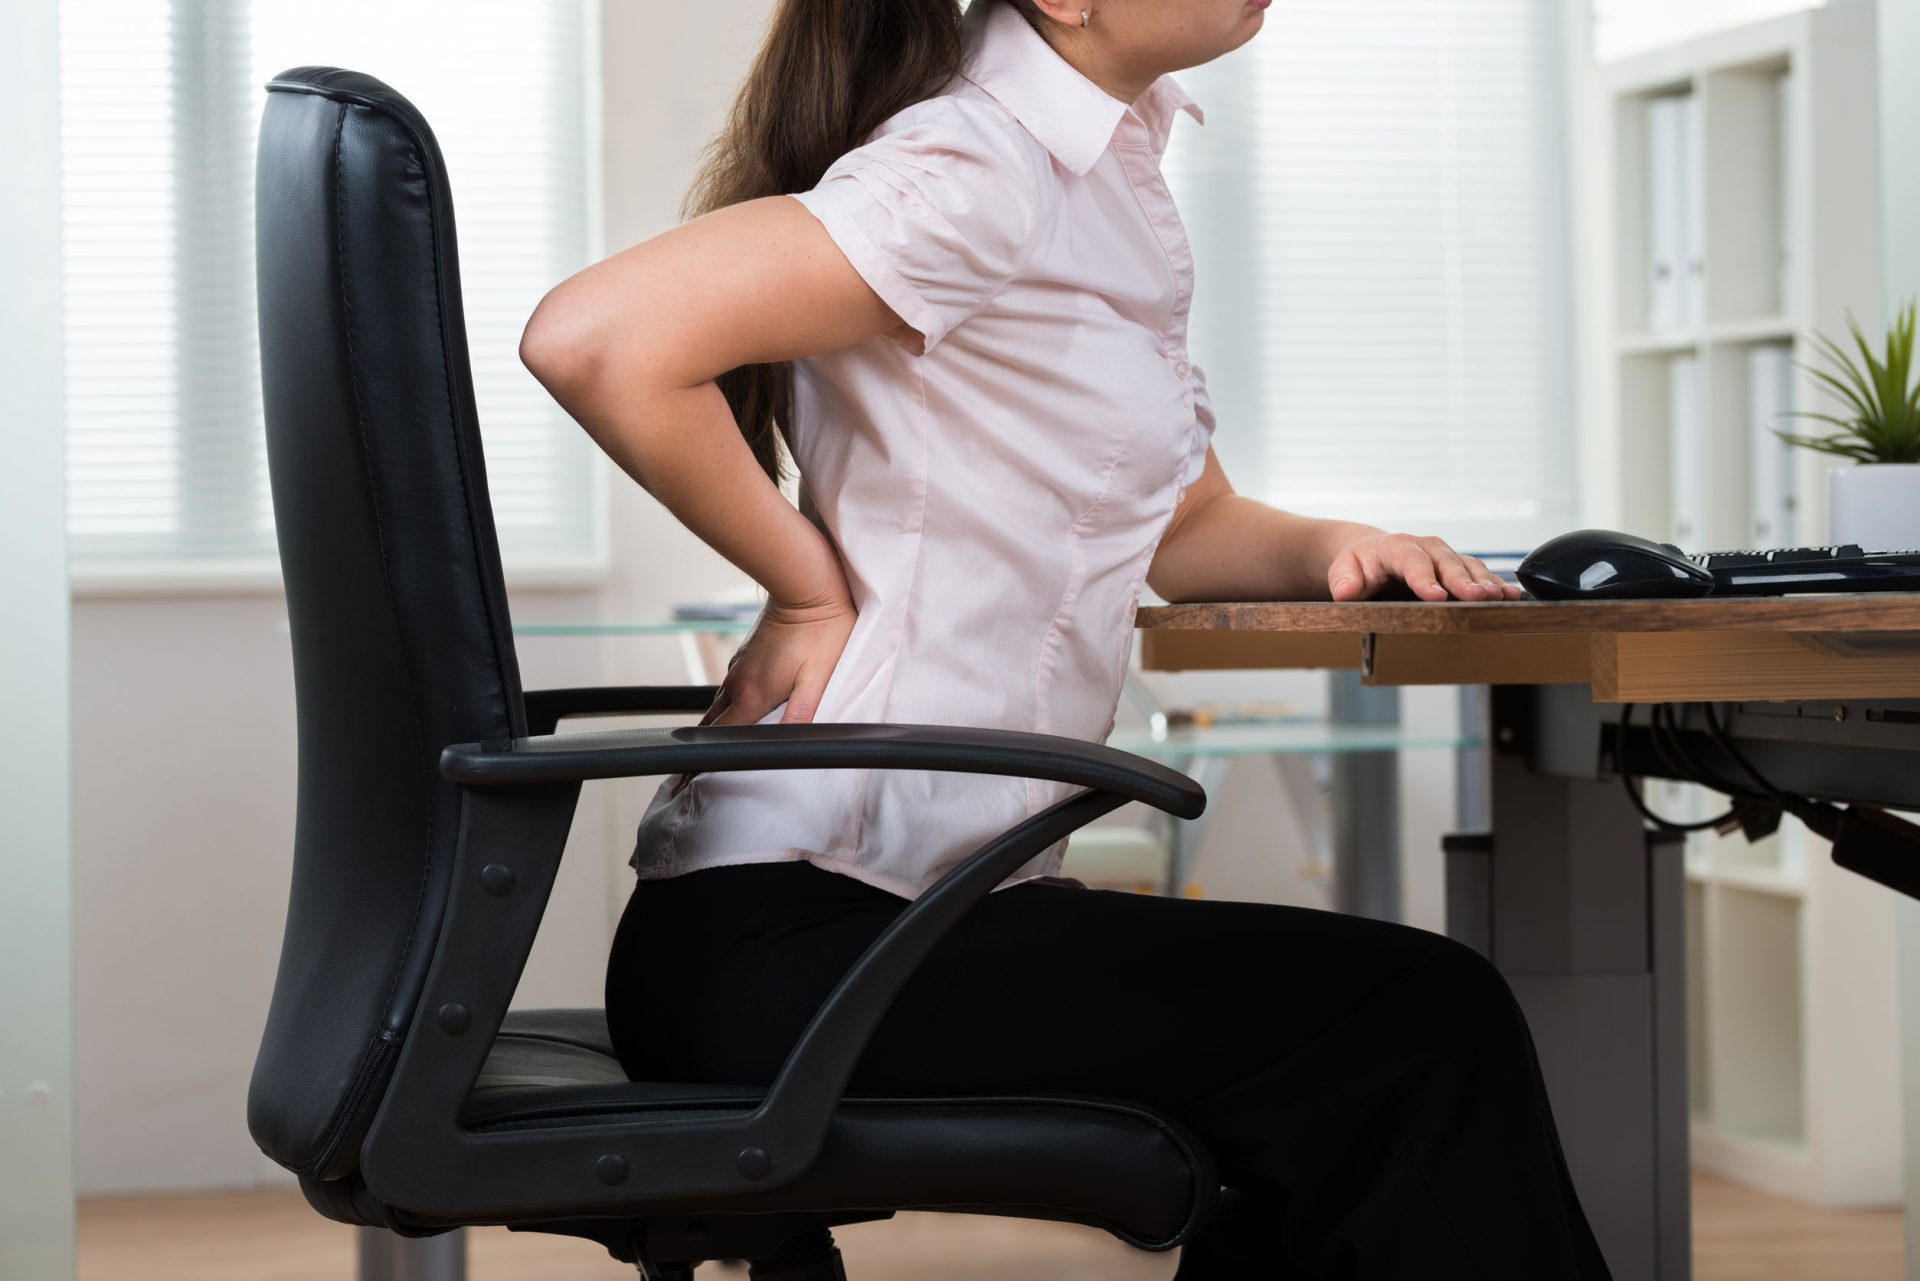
pixel 938 256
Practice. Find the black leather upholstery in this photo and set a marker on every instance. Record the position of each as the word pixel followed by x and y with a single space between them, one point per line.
pixel 402 649
pixel 394 591
pixel 1020 1155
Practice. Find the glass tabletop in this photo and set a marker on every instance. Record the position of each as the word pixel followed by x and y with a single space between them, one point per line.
pixel 1305 734
pixel 656 627
pixel 1283 735
pixel 1286 735
pixel 659 627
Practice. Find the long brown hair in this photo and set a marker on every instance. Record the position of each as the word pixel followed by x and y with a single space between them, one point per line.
pixel 828 73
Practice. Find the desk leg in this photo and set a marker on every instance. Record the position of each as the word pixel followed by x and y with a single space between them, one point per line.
pixel 1184 834
pixel 1470 763
pixel 1585 917
pixel 388 1256
pixel 1366 804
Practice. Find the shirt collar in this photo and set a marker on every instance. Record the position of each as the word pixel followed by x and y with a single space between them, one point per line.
pixel 1070 115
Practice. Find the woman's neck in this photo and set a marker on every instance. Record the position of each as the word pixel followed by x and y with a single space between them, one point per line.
pixel 1083 56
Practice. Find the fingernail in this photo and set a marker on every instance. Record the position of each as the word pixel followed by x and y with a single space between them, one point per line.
pixel 1342 583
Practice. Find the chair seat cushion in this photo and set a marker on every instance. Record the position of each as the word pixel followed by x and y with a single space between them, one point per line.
pixel 1104 1162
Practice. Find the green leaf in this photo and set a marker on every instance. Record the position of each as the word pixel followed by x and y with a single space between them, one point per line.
pixel 1862 386
pixel 1848 382
pixel 1877 388
pixel 1847 426
pixel 1837 389
pixel 1828 445
pixel 1876 371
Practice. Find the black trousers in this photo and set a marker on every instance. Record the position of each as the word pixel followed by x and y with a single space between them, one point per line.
pixel 1372 1089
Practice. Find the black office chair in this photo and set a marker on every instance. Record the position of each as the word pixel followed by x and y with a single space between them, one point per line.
pixel 435 800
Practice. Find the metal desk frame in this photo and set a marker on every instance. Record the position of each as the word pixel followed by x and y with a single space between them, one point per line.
pixel 1580 905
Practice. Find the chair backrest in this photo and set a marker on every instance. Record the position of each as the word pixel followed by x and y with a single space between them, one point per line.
pixel 401 642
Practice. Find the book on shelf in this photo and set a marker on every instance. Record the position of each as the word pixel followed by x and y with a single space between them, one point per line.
pixel 1676 230
pixel 1770 459
pixel 1687 453
pixel 1693 212
pixel 1663 231
pixel 1784 180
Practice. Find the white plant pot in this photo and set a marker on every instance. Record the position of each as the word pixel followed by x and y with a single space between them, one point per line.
pixel 1876 505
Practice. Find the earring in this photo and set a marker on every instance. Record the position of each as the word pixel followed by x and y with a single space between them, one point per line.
pixel 1086 18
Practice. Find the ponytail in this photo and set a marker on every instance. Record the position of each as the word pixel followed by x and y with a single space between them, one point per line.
pixel 828 73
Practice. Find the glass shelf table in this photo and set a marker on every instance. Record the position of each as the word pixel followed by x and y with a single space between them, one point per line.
pixel 1301 747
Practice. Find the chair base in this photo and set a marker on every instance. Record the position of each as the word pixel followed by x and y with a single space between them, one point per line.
pixel 828 1269
pixel 811 1256
pixel 805 1254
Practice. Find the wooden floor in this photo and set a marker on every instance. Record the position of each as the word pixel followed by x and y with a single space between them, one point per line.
pixel 1739 1235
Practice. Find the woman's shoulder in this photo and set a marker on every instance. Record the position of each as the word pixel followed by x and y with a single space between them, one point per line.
pixel 964 128
pixel 963 106
pixel 940 208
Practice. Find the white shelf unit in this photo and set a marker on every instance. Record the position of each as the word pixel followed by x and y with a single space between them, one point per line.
pixel 1792 1054
pixel 1792 1039
pixel 1784 234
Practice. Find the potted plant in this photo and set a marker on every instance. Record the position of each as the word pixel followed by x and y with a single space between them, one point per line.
pixel 1876 503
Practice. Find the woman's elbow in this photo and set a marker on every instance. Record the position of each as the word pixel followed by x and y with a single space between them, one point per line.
pixel 558 347
pixel 1166 584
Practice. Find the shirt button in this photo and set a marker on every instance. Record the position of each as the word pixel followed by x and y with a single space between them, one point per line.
pixel 1181 368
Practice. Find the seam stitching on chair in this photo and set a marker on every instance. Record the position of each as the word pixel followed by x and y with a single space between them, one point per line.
pixel 380 538
pixel 459 452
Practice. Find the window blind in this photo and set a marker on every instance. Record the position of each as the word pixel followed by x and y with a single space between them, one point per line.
pixel 1376 205
pixel 161 106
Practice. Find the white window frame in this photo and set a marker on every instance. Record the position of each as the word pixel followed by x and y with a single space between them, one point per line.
pixel 591 568
pixel 1229 356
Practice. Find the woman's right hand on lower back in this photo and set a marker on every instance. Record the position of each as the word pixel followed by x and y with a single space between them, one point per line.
pixel 788 658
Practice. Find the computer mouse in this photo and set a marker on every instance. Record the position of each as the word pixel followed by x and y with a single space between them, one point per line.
pixel 1600 564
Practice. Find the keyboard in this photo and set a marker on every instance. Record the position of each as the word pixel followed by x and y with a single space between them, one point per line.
pixel 1846 567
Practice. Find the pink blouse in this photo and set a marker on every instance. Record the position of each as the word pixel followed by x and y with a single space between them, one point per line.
pixel 996 481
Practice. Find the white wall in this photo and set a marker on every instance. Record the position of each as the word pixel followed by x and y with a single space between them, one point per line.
pixel 1899 36
pixel 184 742
pixel 184 733
pixel 36 905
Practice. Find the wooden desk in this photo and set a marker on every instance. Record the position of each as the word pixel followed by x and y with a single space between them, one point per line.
pixel 1864 644
pixel 1571 895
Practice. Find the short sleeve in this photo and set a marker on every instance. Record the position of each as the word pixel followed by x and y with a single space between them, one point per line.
pixel 1203 417
pixel 937 211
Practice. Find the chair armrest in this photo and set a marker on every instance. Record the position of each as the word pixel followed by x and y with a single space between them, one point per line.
pixel 552 758
pixel 785 1134
pixel 518 808
pixel 546 708
pixel 799 1106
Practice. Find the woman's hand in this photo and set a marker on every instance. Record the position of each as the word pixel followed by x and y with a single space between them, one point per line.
pixel 788 657
pixel 1425 564
pixel 631 348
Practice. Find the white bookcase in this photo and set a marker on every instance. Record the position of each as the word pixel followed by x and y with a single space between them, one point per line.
pixel 1792 1040
pixel 1783 225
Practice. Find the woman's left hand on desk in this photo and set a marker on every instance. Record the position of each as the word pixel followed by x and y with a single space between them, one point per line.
pixel 1431 570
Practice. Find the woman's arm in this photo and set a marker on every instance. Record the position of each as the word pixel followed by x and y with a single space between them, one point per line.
pixel 1223 546
pixel 631 346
